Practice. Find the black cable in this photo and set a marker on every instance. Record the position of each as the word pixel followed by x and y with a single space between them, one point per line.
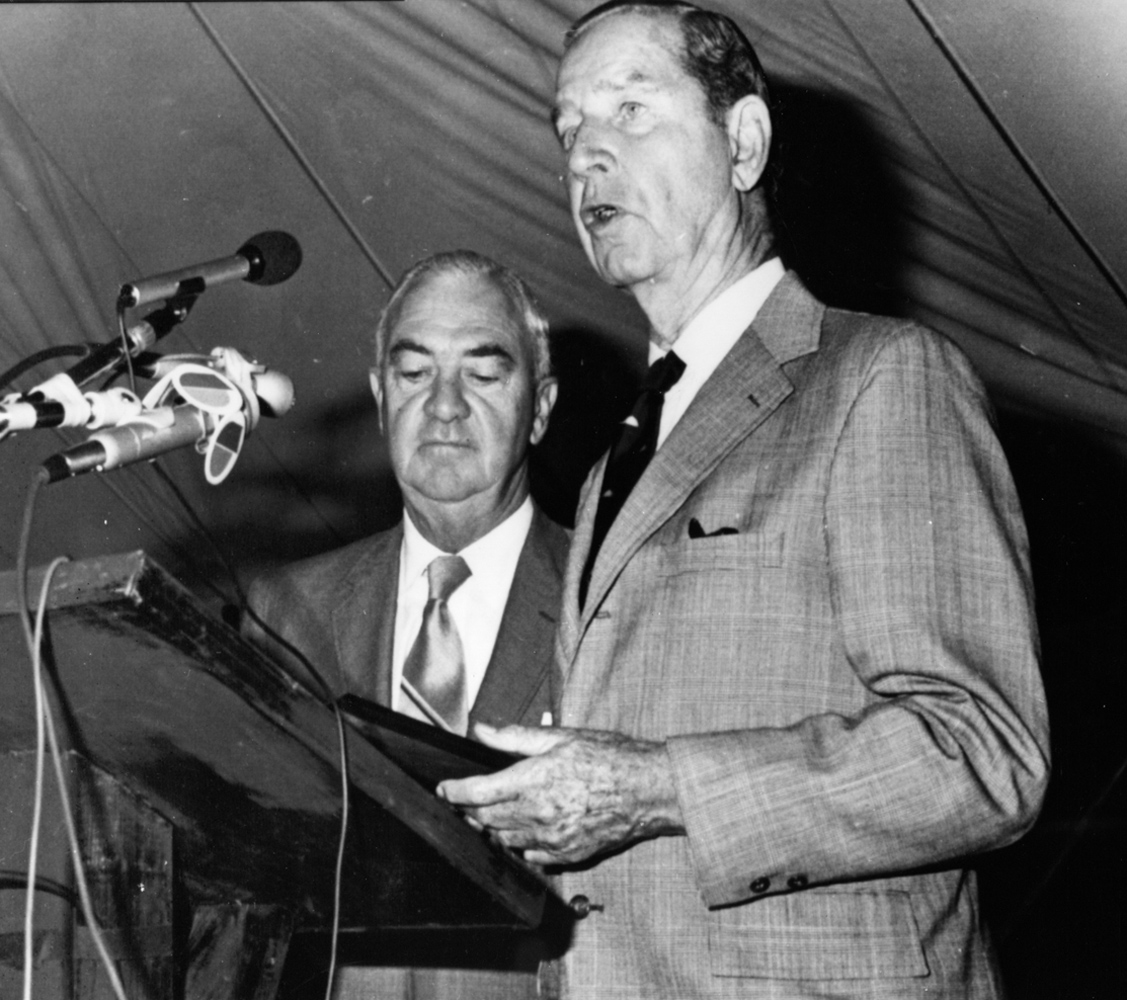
pixel 327 697
pixel 126 348
pixel 62 351
pixel 326 693
pixel 10 879
pixel 38 480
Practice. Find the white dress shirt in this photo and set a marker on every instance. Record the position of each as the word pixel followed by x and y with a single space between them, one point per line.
pixel 711 334
pixel 476 606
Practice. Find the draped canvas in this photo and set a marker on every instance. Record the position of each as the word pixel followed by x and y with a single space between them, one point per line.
pixel 143 137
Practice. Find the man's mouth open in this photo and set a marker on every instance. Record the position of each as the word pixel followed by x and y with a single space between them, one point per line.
pixel 598 216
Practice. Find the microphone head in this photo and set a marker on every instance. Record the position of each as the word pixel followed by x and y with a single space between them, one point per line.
pixel 273 257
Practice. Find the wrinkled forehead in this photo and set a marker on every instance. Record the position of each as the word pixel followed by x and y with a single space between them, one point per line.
pixel 460 310
pixel 622 48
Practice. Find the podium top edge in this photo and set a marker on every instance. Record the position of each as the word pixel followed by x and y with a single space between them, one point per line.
pixel 84 581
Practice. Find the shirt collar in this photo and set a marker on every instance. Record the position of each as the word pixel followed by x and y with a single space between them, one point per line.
pixel 483 556
pixel 710 334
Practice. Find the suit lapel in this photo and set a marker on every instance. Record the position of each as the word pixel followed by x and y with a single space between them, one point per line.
pixel 521 669
pixel 745 389
pixel 364 619
pixel 567 636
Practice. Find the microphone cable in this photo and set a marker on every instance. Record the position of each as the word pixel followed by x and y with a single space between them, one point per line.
pixel 33 638
pixel 36 359
pixel 326 697
pixel 45 722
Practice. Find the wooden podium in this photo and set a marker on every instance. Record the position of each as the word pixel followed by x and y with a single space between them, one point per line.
pixel 208 791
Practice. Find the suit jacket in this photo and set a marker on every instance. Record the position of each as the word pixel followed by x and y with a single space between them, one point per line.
pixel 848 684
pixel 339 610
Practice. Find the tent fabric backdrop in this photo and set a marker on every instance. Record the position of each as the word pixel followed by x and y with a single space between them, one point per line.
pixel 139 138
pixel 953 160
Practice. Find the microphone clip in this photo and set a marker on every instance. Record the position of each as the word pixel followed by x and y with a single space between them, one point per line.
pixel 223 405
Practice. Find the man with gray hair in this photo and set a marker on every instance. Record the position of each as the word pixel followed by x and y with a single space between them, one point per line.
pixel 450 615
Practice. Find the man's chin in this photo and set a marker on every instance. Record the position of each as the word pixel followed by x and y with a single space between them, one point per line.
pixel 618 268
pixel 446 487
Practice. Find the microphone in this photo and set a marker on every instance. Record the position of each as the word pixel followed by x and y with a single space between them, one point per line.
pixel 218 400
pixel 153 433
pixel 61 404
pixel 59 401
pixel 265 259
pixel 105 357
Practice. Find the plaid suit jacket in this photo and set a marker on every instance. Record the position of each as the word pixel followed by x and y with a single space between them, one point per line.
pixel 848 685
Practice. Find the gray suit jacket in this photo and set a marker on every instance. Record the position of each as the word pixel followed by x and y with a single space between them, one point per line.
pixel 339 610
pixel 848 684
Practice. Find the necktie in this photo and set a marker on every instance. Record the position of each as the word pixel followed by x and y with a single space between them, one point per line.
pixel 434 673
pixel 630 454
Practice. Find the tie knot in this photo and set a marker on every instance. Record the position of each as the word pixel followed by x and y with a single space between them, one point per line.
pixel 664 373
pixel 445 575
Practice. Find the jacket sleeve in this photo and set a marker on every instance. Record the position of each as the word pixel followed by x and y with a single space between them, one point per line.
pixel 932 601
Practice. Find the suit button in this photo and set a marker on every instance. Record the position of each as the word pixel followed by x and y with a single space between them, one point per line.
pixel 797 882
pixel 761 884
pixel 581 906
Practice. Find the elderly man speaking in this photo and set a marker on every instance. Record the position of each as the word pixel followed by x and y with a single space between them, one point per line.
pixel 798 648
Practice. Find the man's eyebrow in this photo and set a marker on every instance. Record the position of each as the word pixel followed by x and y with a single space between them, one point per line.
pixel 636 77
pixel 405 345
pixel 491 351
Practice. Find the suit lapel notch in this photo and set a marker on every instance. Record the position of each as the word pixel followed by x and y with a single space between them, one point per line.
pixel 746 388
pixel 743 392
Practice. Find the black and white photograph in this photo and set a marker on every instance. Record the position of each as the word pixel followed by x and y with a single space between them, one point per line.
pixel 563 500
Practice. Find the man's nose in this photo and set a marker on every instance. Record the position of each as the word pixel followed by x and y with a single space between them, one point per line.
pixel 447 400
pixel 590 151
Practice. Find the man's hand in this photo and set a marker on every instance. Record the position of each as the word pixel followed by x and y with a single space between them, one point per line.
pixel 580 792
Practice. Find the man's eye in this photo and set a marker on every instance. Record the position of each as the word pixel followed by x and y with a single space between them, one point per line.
pixel 630 109
pixel 412 375
pixel 483 377
pixel 567 138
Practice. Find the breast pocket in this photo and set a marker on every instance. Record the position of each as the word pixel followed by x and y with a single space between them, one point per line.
pixel 721 553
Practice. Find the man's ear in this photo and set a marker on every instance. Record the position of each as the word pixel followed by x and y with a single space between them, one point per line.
pixel 749 140
pixel 546 393
pixel 377 391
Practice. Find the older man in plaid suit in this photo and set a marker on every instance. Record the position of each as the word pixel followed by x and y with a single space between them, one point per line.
pixel 798 647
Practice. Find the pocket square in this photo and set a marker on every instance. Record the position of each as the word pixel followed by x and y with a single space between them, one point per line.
pixel 697 531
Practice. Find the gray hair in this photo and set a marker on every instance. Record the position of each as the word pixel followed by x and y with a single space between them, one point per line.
pixel 531 319
pixel 714 51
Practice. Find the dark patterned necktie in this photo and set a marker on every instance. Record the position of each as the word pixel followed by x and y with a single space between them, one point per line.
pixel 434 673
pixel 630 454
